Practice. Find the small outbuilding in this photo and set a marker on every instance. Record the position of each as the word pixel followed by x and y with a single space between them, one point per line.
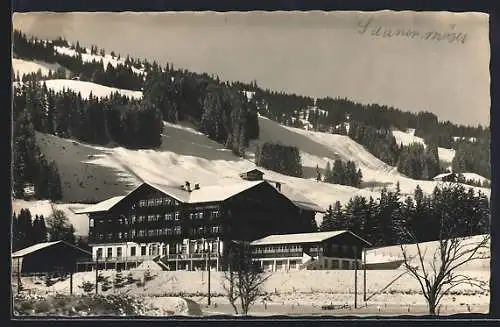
pixel 48 257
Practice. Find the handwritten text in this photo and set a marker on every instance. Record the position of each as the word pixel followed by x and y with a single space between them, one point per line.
pixel 367 27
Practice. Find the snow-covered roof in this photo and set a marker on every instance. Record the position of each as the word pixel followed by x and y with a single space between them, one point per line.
pixel 440 176
pixel 211 193
pixel 39 246
pixel 308 206
pixel 101 206
pixel 302 238
pixel 204 194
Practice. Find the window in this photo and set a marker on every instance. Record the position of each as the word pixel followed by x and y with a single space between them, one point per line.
pixel 177 230
pixel 110 253
pixel 143 250
pixel 91 222
pixel 100 236
pixel 200 215
pixel 216 229
pixel 191 216
pixel 168 231
pixel 132 219
pixel 335 264
pixel 99 253
pixel 119 252
pixel 177 215
pixel 110 236
pixel 132 251
pixel 214 214
pixel 120 235
pixel 142 203
pixel 201 230
pixel 132 232
pixel 151 218
pixel 168 216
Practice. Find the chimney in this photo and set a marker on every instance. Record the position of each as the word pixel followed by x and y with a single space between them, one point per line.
pixel 196 186
pixel 188 187
pixel 278 186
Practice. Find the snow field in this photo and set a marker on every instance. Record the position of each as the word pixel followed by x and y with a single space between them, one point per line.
pixel 25 67
pixel 85 88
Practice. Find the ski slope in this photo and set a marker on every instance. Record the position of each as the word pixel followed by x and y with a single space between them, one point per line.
pixel 24 67
pixel 85 88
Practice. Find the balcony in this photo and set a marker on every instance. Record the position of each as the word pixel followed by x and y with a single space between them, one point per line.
pixel 185 256
pixel 115 259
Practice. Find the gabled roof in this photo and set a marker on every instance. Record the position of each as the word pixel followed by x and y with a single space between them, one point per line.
pixel 303 238
pixel 442 175
pixel 308 206
pixel 101 206
pixel 40 246
pixel 213 193
pixel 255 170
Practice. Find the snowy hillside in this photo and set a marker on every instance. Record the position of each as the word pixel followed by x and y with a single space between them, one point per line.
pixel 85 88
pixel 476 177
pixel 87 57
pixel 428 249
pixel 45 208
pixel 23 67
pixel 186 154
pixel 406 138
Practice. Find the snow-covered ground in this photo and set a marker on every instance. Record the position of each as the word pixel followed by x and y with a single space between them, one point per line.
pixel 87 57
pixel 475 177
pixel 406 138
pixel 85 88
pixel 45 208
pixel 24 67
pixel 392 253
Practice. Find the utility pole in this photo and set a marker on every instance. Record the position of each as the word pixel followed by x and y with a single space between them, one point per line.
pixel 18 275
pixel 96 275
pixel 71 282
pixel 364 274
pixel 356 281
pixel 207 267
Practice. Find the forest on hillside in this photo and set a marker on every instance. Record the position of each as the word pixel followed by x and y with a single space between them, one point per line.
pixel 391 219
pixel 222 110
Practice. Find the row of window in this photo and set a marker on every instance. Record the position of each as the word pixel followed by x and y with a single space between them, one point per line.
pixel 175 216
pixel 153 250
pixel 156 202
pixel 278 248
pixel 202 230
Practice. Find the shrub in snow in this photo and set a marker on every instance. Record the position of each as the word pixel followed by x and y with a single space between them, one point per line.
pixel 82 305
pixel 87 286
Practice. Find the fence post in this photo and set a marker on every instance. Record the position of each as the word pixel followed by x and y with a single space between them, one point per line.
pixel 71 282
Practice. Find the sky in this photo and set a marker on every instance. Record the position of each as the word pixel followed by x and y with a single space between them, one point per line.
pixel 437 62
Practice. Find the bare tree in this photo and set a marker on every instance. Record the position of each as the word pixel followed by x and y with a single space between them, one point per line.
pixel 438 273
pixel 243 280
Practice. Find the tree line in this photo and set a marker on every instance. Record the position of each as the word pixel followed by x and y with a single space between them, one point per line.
pixel 118 119
pixel 419 162
pixel 219 109
pixel 29 165
pixel 386 221
pixel 343 173
pixel 27 230
pixel 120 76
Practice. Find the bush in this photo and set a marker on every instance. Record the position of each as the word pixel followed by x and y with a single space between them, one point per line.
pixel 119 281
pixel 147 276
pixel 87 286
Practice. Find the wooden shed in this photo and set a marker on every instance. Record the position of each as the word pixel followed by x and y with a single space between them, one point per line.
pixel 48 257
